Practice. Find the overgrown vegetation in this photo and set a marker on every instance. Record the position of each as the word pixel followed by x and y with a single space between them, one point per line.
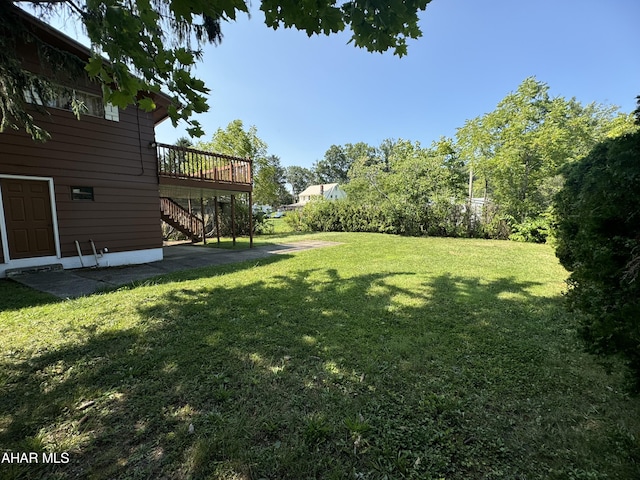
pixel 598 214
pixel 496 179
pixel 441 218
pixel 384 357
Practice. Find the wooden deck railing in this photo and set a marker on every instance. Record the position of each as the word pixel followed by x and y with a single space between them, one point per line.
pixel 181 219
pixel 192 164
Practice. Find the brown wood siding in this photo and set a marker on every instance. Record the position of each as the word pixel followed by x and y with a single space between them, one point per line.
pixel 31 62
pixel 112 157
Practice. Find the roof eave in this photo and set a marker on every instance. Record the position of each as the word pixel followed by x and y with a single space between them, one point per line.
pixel 56 37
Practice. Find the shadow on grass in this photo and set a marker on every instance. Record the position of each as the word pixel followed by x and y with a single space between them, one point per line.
pixel 209 271
pixel 14 296
pixel 311 375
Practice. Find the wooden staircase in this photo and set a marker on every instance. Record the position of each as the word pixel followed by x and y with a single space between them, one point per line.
pixel 180 219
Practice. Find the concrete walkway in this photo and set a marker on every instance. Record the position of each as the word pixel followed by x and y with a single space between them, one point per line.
pixel 77 283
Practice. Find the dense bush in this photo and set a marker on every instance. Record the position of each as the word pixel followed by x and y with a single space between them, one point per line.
pixel 447 219
pixel 439 218
pixel 345 216
pixel 598 241
pixel 535 230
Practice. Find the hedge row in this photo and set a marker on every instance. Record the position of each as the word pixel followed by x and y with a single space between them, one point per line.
pixel 440 218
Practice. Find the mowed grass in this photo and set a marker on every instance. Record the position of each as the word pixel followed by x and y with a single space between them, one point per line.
pixel 381 358
pixel 277 231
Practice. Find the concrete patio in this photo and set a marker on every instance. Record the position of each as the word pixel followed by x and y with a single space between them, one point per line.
pixel 86 281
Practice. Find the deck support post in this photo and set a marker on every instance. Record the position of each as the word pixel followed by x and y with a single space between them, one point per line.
pixel 250 220
pixel 217 217
pixel 204 229
pixel 193 235
pixel 233 219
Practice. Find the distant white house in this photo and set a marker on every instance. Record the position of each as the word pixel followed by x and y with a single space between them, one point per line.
pixel 330 191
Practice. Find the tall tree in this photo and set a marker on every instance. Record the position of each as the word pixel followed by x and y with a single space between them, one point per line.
pixel 235 140
pixel 299 178
pixel 407 174
pixel 268 173
pixel 519 147
pixel 447 152
pixel 153 45
pixel 269 184
pixel 334 167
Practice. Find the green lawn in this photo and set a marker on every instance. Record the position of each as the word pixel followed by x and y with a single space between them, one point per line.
pixel 278 231
pixel 382 358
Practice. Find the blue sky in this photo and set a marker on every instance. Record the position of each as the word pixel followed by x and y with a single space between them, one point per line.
pixel 304 94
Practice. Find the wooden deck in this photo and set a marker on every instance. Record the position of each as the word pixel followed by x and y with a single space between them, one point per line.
pixel 188 173
pixel 191 168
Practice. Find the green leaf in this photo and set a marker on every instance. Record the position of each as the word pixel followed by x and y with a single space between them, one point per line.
pixel 184 57
pixel 181 9
pixel 120 99
pixel 195 130
pixel 200 105
pixel 147 104
pixel 94 66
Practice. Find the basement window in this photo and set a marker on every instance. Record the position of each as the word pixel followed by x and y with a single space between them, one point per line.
pixel 81 193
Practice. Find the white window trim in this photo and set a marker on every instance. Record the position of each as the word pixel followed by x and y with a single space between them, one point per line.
pixel 109 111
